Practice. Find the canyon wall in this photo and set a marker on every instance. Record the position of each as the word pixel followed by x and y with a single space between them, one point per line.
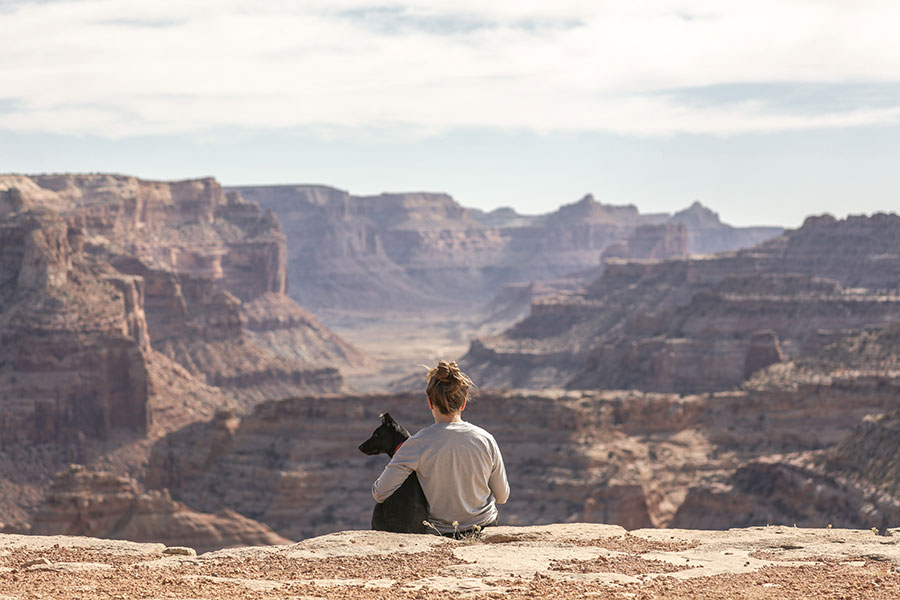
pixel 199 257
pixel 689 324
pixel 101 504
pixel 79 378
pixel 630 458
pixel 130 308
pixel 73 337
pixel 420 252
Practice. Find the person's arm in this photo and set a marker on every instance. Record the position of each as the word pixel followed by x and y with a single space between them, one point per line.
pixel 498 482
pixel 394 474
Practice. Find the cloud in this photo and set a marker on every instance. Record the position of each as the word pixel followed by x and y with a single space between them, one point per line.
pixel 122 68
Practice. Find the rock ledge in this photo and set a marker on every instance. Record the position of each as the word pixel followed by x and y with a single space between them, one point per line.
pixel 551 561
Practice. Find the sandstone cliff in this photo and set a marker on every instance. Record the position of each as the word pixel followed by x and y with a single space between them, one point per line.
pixel 79 379
pixel 628 458
pixel 100 504
pixel 73 337
pixel 131 308
pixel 199 256
pixel 651 241
pixel 418 252
pixel 688 324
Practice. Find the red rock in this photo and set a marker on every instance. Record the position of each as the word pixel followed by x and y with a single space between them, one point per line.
pixel 100 504
pixel 425 252
pixel 764 350
pixel 628 458
pixel 687 325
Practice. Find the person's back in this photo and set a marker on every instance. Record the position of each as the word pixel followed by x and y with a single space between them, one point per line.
pixel 458 464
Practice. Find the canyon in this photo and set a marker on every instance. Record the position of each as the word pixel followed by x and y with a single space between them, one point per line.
pixel 413 277
pixel 635 459
pixel 103 505
pixel 702 323
pixel 421 252
pixel 193 364
pixel 129 308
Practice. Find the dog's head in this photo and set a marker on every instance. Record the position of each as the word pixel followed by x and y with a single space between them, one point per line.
pixel 385 438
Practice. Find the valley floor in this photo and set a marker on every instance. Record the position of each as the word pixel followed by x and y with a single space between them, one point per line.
pixel 398 345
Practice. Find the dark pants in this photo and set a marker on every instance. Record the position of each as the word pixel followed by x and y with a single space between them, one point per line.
pixel 471 532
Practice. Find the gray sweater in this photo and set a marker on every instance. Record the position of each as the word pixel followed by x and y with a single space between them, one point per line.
pixel 461 471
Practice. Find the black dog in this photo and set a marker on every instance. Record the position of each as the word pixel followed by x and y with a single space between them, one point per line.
pixel 406 509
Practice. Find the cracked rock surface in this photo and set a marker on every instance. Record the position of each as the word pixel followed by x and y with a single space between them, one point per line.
pixel 549 561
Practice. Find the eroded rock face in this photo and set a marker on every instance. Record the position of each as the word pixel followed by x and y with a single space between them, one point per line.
pixel 708 235
pixel 688 325
pixel 420 252
pixel 79 379
pixel 765 350
pixel 191 227
pixel 122 318
pixel 652 241
pixel 204 328
pixel 73 338
pixel 189 257
pixel 628 458
pixel 100 504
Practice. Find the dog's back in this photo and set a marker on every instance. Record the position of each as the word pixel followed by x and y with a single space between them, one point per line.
pixel 406 510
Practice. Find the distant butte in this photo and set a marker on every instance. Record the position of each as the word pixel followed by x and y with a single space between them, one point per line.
pixel 421 252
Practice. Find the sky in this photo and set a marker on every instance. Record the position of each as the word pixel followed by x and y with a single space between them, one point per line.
pixel 766 110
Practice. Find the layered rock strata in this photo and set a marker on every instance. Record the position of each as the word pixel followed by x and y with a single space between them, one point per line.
pixel 73 337
pixel 707 234
pixel 689 324
pixel 102 505
pixel 198 255
pixel 652 241
pixel 122 317
pixel 418 252
pixel 629 458
pixel 79 379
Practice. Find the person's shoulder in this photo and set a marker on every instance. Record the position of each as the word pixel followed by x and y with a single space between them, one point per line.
pixel 475 429
pixel 424 432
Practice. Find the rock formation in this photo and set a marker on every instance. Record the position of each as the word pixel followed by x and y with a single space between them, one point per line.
pixel 651 241
pixel 708 235
pixel 688 324
pixel 79 379
pixel 100 504
pixel 194 256
pixel 130 308
pixel 146 330
pixel 629 458
pixel 417 251
pixel 73 337
pixel 847 482
pixel 560 561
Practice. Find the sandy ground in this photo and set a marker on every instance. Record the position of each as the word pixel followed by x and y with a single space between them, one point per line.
pixel 554 561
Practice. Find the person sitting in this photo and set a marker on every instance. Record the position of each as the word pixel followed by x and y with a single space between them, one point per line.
pixel 458 464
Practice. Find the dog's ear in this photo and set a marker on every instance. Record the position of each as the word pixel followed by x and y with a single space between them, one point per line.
pixel 386 418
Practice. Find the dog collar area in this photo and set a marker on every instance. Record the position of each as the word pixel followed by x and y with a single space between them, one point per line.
pixel 397 448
